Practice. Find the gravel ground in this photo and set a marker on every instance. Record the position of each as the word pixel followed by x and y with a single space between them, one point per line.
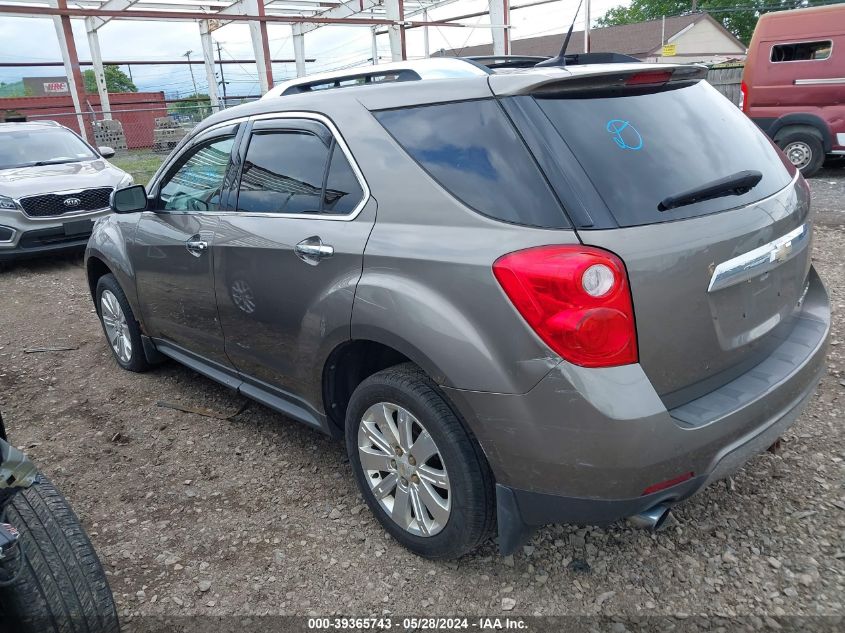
pixel 256 514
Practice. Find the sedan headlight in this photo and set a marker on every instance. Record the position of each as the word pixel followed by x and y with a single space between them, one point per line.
pixel 7 203
pixel 126 181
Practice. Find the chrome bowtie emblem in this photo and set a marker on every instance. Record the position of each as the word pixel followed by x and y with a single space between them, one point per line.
pixel 782 252
pixel 72 202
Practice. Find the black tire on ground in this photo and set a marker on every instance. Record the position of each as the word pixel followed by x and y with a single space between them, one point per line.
pixel 811 140
pixel 472 519
pixel 137 361
pixel 59 585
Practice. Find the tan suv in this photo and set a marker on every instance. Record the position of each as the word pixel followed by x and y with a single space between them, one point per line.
pixel 53 185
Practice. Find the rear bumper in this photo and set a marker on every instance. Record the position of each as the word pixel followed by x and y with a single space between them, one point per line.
pixel 585 444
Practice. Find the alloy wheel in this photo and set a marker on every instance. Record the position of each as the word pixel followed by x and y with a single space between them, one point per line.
pixel 404 468
pixel 117 329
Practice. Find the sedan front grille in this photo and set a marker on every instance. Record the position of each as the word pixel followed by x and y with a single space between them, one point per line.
pixel 53 204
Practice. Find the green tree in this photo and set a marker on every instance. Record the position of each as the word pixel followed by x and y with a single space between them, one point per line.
pixel 116 80
pixel 738 17
pixel 197 107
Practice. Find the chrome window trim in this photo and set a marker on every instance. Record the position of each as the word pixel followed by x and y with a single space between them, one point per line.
pixel 293 114
pixel 341 142
pixel 798 61
pixel 760 260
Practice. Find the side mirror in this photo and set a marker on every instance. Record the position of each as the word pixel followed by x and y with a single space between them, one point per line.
pixel 129 200
pixel 106 151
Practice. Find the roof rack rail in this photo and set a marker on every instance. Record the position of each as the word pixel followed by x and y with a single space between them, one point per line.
pixel 353 79
pixel 434 68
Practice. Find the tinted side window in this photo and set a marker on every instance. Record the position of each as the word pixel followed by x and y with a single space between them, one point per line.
pixel 283 173
pixel 343 191
pixel 471 149
pixel 196 184
pixel 801 51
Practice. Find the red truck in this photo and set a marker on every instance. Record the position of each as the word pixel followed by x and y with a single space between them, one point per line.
pixel 793 85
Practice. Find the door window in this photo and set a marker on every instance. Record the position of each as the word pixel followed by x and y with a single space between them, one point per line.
pixel 801 51
pixel 296 172
pixel 196 184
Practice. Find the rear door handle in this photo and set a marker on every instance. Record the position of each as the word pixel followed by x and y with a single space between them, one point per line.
pixel 196 246
pixel 312 251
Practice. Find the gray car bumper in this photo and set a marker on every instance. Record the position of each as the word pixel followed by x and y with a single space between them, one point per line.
pixel 34 237
pixel 584 446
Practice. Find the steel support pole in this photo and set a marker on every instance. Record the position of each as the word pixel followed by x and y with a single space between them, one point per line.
pixel 260 43
pixel 299 49
pixel 393 12
pixel 208 58
pixel 500 18
pixel 374 45
pixel 64 32
pixel 97 63
pixel 425 35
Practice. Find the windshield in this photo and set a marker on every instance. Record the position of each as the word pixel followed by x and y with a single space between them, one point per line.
pixel 643 149
pixel 27 148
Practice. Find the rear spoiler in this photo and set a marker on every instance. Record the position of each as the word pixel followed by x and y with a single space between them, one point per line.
pixel 616 78
pixel 498 62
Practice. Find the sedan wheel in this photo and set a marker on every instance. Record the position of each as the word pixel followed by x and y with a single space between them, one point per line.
pixel 405 469
pixel 116 326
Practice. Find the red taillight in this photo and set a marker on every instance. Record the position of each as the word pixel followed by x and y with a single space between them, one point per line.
pixel 649 78
pixel 587 319
pixel 743 97
pixel 663 485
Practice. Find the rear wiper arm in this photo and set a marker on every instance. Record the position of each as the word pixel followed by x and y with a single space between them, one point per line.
pixel 736 185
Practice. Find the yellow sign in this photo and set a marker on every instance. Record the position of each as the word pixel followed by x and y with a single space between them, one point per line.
pixel 670 50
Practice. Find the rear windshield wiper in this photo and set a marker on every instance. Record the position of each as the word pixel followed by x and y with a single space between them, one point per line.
pixel 740 183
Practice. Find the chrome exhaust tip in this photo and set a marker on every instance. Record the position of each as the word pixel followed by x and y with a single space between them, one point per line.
pixel 651 519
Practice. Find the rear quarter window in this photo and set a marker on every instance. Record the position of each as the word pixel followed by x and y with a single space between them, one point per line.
pixel 472 150
pixel 638 149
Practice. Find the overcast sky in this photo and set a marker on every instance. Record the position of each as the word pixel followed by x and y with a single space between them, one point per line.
pixel 34 39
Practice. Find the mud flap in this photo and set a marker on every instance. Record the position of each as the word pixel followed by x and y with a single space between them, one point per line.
pixel 513 531
pixel 153 356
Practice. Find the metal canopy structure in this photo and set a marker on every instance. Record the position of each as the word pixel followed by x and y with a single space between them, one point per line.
pixel 303 16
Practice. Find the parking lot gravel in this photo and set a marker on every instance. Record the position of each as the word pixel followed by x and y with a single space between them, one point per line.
pixel 249 513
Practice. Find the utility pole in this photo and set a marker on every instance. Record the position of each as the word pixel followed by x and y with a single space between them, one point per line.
pixel 694 6
pixel 222 77
pixel 191 68
pixel 586 26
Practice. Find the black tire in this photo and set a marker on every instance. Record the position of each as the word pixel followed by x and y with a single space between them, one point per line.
pixel 811 141
pixel 472 517
pixel 137 361
pixel 59 585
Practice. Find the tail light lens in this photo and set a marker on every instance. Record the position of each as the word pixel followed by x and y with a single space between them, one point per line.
pixel 576 298
pixel 743 97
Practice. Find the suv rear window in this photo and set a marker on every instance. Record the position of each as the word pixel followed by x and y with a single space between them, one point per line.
pixel 471 149
pixel 639 149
